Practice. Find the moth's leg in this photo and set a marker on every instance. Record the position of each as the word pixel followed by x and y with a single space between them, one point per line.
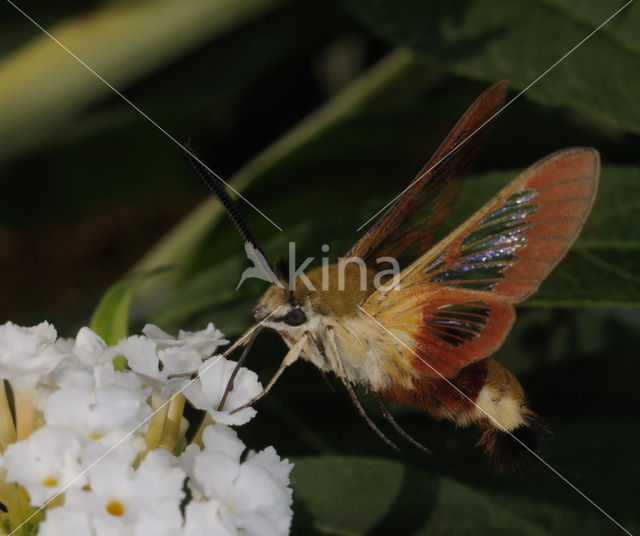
pixel 398 428
pixel 253 335
pixel 239 341
pixel 342 375
pixel 326 379
pixel 192 375
pixel 292 356
pixel 244 338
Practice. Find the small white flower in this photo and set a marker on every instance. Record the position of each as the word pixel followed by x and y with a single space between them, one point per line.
pixel 261 504
pixel 88 347
pixel 269 460
pixel 207 391
pixel 160 337
pixel 214 475
pixel 63 521
pixel 77 367
pixel 106 412
pixel 208 517
pixel 45 462
pixel 223 439
pixel 121 500
pixel 65 344
pixel 216 438
pixel 140 353
pixel 205 341
pixel 105 375
pixel 99 425
pixel 179 360
pixel 70 374
pixel 27 354
pixel 254 492
pixel 156 365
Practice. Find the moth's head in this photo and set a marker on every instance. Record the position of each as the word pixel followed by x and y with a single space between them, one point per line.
pixel 282 310
pixel 284 307
pixel 330 292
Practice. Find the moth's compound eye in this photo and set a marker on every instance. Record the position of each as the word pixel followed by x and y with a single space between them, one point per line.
pixel 295 317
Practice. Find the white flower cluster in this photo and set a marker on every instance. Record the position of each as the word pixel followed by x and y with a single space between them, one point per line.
pixel 90 450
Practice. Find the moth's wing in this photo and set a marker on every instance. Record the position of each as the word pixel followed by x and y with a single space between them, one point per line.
pixel 498 257
pixel 407 228
pixel 440 332
pixel 512 243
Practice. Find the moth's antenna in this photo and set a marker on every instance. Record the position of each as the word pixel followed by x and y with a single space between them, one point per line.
pixel 217 188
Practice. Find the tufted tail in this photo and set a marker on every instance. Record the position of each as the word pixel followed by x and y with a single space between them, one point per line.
pixel 512 450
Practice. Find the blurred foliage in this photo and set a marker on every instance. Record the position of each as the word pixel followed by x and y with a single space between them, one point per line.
pixel 522 39
pixel 390 496
pixel 312 114
pixel 111 317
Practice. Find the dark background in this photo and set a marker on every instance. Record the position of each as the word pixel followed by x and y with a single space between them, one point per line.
pixel 89 187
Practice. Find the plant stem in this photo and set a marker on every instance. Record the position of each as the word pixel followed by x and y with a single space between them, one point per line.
pixel 156 426
pixel 7 428
pixel 206 421
pixel 172 424
pixel 23 401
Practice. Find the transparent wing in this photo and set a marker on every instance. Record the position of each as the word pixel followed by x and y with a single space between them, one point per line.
pixel 498 257
pixel 407 228
pixel 510 245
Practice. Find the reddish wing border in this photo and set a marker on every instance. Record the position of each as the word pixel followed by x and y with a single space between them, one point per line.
pixel 512 243
pixel 448 329
pixel 498 257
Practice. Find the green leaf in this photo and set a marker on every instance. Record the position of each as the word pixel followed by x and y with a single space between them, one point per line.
pixel 356 496
pixel 520 40
pixel 111 318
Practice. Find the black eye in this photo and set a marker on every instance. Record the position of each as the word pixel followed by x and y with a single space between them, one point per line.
pixel 295 317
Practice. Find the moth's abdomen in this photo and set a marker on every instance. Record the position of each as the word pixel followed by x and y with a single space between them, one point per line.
pixel 513 433
pixel 453 398
pixel 486 394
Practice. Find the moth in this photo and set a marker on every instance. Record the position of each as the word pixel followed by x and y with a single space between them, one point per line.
pixel 427 338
